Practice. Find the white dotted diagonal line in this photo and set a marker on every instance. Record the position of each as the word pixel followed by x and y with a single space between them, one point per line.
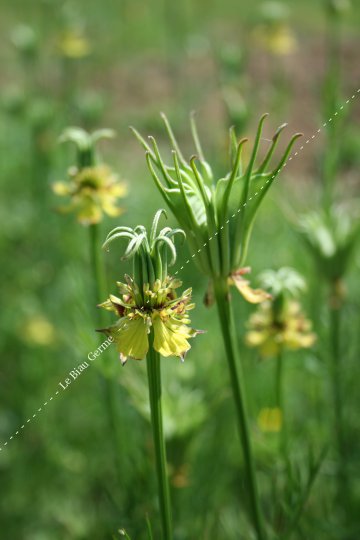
pixel 28 420
pixel 274 175
pixel 40 409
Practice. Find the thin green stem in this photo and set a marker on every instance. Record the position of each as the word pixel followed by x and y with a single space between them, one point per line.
pixel 279 381
pixel 109 386
pixel 237 382
pixel 299 509
pixel 99 281
pixel 336 382
pixel 331 95
pixel 280 401
pixel 154 379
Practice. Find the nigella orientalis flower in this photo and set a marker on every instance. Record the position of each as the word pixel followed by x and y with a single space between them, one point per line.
pixel 280 324
pixel 93 189
pixel 217 214
pixel 151 312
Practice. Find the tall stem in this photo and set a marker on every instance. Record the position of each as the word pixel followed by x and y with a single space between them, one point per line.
pixel 336 380
pixel 279 381
pixel 280 400
pixel 154 378
pixel 237 382
pixel 97 268
pixel 331 95
pixel 108 385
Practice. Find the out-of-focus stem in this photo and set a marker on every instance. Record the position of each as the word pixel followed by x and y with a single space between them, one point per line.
pixel 280 401
pixel 154 379
pixel 337 394
pixel 331 94
pixel 109 386
pixel 279 381
pixel 237 383
pixel 97 268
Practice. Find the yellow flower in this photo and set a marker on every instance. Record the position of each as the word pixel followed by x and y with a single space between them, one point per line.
pixel 277 39
pixel 270 420
pixel 74 45
pixel 93 191
pixel 164 313
pixel 271 335
pixel 38 331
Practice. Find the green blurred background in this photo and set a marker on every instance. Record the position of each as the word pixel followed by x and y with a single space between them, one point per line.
pixel 111 64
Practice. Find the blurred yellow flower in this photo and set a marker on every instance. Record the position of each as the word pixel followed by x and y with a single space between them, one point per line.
pixel 164 312
pixel 270 420
pixel 38 331
pixel 74 45
pixel 278 39
pixel 271 334
pixel 93 191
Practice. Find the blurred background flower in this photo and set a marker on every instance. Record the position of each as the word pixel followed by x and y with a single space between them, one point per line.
pixel 279 323
pixel 73 44
pixel 274 32
pixel 38 331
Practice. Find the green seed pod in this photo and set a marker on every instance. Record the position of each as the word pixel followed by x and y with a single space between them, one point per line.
pixel 217 214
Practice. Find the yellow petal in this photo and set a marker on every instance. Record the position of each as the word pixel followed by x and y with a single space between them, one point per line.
pixel 118 190
pixel 113 304
pixel 297 340
pixel 61 188
pixel 130 336
pixel 254 339
pixel 108 305
pixel 254 296
pixel 89 213
pixel 111 209
pixel 170 337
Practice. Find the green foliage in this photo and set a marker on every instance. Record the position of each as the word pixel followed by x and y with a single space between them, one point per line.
pixel 283 281
pixel 331 239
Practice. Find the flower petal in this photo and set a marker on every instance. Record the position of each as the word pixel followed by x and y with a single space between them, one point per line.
pixel 170 336
pixel 130 336
pixel 89 212
pixel 108 204
pixel 118 190
pixel 61 188
pixel 254 296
